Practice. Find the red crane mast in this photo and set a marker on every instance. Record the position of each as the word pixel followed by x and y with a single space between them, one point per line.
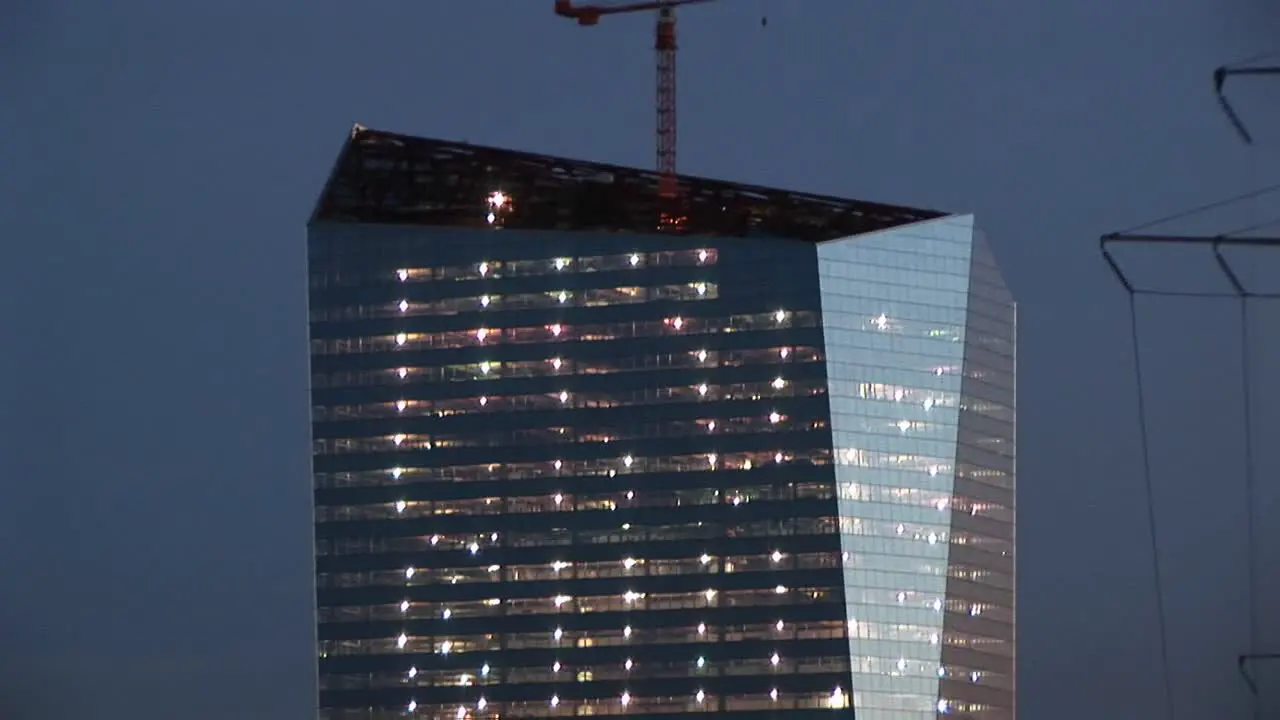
pixel 665 48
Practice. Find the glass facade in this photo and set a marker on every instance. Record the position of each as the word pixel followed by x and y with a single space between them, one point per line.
pixel 918 333
pixel 567 467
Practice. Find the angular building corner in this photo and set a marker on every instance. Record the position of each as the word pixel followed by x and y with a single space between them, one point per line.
pixel 918 332
pixel 566 464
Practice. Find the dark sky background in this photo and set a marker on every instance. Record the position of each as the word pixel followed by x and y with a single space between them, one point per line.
pixel 160 160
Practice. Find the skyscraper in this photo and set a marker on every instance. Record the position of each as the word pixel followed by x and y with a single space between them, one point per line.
pixel 759 463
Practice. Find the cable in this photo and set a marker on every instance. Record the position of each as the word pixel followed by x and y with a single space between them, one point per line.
pixel 1246 383
pixel 1202 208
pixel 1145 444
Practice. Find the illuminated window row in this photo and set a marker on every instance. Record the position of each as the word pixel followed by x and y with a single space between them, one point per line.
pixel 560 672
pixel 554 332
pixel 567 399
pixel 494 269
pixel 623 704
pixel 561 502
pixel 563 434
pixel 556 366
pixel 564 502
pixel 594 297
pixel 700 462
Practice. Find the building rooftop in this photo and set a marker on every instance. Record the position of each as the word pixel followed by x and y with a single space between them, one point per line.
pixel 383 177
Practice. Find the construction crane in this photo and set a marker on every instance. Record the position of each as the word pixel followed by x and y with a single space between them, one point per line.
pixel 665 47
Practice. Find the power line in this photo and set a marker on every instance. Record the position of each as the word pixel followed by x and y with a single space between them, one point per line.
pixel 1144 443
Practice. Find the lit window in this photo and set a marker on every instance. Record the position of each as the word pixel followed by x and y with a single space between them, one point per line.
pixel 837 698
